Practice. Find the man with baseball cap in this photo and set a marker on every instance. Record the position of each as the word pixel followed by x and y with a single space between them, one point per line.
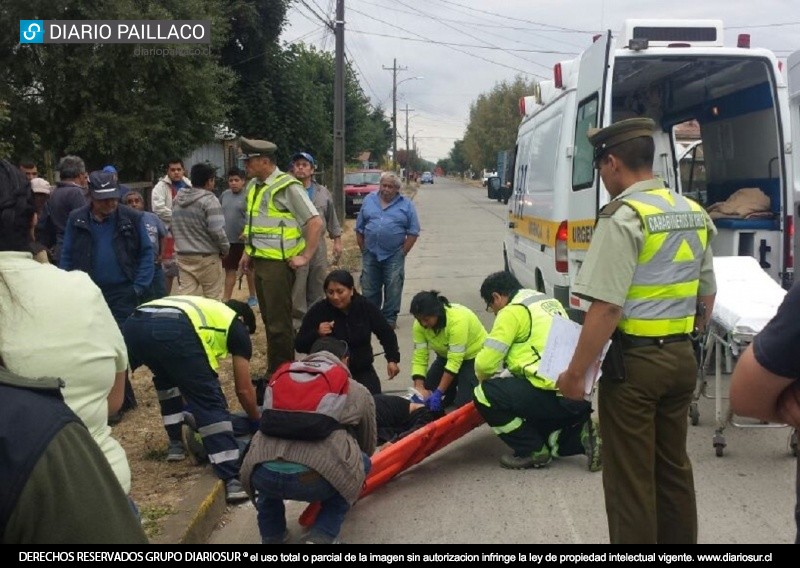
pixel 109 242
pixel 309 278
pixel 281 233
pixel 648 264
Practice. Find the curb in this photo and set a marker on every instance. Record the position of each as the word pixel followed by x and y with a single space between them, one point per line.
pixel 197 515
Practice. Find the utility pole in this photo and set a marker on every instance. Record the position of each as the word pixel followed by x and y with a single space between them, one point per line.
pixel 394 69
pixel 408 157
pixel 338 115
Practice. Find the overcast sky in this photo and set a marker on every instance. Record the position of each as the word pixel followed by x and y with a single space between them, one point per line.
pixel 462 48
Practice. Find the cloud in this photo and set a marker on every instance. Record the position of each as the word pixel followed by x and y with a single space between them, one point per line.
pixel 463 48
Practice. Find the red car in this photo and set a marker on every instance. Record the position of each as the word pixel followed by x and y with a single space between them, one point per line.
pixel 357 185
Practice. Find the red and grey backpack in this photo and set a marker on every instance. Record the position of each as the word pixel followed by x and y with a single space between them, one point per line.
pixel 304 400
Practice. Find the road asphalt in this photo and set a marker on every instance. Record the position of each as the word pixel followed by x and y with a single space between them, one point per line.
pixel 461 494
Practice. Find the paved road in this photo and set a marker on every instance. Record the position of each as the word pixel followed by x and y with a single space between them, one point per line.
pixel 462 495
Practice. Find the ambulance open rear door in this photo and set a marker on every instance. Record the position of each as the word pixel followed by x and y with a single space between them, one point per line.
pixel 593 99
pixel 793 81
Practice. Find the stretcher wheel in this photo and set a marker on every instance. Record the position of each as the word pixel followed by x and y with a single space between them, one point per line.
pixel 719 444
pixel 694 414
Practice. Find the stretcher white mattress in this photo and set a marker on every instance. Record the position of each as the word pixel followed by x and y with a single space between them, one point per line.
pixel 747 297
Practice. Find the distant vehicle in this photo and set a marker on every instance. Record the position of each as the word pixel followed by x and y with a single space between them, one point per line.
pixel 357 185
pixel 487 174
pixel 427 177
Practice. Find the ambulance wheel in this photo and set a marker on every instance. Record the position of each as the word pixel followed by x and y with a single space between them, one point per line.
pixel 694 414
pixel 719 444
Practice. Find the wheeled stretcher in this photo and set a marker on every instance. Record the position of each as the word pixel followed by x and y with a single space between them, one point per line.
pixel 747 299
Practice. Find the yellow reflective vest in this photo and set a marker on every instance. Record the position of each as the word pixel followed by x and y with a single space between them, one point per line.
pixel 460 340
pixel 662 299
pixel 270 232
pixel 518 337
pixel 211 320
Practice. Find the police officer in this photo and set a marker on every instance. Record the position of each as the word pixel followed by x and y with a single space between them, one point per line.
pixel 180 339
pixel 648 265
pixel 522 407
pixel 282 231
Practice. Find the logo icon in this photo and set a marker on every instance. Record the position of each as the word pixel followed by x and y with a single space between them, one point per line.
pixel 31 31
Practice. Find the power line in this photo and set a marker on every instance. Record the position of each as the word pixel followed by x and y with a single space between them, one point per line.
pixel 472 45
pixel 516 18
pixel 483 24
pixel 453 48
pixel 461 31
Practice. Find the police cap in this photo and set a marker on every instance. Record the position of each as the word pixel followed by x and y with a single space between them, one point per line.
pixel 256 148
pixel 604 138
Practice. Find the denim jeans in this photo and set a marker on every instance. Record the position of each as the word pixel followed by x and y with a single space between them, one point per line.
pixel 273 487
pixel 158 289
pixel 382 282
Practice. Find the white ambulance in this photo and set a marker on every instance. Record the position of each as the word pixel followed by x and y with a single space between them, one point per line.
pixel 673 71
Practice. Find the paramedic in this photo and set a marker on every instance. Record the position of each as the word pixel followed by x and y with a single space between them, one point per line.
pixel 522 407
pixel 648 264
pixel 180 339
pixel 455 334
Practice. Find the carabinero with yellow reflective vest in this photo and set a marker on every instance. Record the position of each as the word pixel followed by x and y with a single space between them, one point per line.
pixel 181 339
pixel 282 230
pixel 521 406
pixel 648 267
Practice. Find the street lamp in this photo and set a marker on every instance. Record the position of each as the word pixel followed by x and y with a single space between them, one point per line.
pixel 394 117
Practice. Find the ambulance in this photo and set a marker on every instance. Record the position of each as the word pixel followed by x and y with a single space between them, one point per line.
pixel 675 72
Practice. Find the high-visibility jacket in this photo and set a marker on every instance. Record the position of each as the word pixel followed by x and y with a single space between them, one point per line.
pixel 662 299
pixel 269 232
pixel 211 320
pixel 461 339
pixel 519 340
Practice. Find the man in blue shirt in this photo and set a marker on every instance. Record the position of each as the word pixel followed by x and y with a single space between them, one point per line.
pixel 109 242
pixel 386 229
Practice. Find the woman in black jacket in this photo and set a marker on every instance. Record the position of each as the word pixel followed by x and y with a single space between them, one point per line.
pixel 347 315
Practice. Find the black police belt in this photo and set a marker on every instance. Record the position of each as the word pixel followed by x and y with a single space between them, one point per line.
pixel 628 341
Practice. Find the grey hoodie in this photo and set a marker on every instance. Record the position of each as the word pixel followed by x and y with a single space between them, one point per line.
pixel 198 224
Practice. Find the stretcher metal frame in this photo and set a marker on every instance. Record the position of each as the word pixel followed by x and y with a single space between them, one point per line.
pixel 719 342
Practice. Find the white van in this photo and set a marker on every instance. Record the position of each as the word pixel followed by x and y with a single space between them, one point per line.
pixel 672 71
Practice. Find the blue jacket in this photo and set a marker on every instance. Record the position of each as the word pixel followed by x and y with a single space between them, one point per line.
pixel 131 245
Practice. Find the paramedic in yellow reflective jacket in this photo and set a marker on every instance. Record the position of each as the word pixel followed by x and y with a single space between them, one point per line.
pixel 455 334
pixel 648 265
pixel 522 407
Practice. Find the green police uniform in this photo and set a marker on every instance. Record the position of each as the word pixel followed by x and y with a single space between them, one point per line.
pixel 277 209
pixel 647 478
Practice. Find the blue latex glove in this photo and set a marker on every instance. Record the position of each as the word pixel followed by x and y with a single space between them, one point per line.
pixel 434 402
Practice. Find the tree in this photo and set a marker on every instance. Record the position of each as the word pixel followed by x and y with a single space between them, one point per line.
pixel 102 101
pixel 493 123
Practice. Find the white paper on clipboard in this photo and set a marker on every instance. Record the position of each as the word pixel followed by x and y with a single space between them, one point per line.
pixel 561 343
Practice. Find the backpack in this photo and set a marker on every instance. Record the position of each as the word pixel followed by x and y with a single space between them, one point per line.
pixel 304 400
